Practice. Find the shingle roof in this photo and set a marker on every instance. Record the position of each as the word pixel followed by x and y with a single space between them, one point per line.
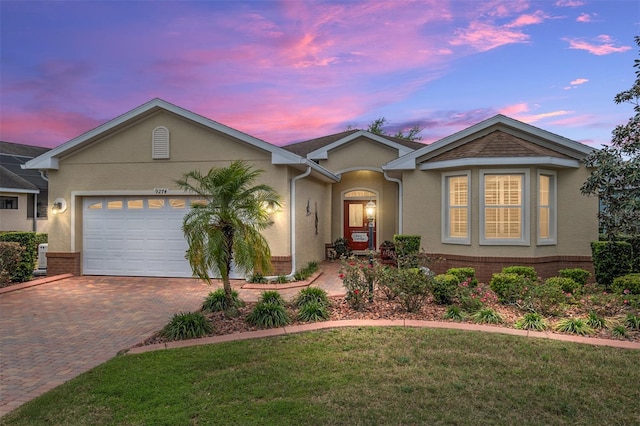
pixel 12 157
pixel 305 147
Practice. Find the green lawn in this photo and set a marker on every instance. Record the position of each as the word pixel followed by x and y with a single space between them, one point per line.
pixel 398 376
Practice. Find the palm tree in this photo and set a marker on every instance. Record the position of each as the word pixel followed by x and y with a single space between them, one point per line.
pixel 223 228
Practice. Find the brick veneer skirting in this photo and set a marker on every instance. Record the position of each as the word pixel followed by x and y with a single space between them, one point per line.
pixel 69 263
pixel 281 265
pixel 63 263
pixel 485 267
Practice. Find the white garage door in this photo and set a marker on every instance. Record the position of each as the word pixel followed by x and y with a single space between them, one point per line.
pixel 135 236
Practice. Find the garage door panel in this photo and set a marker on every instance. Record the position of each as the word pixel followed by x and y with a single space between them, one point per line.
pixel 137 236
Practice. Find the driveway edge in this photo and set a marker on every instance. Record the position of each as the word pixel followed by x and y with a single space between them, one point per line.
pixel 33 283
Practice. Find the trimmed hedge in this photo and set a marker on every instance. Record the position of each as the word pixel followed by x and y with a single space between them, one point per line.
pixel 407 250
pixel 524 271
pixel 444 288
pixel 24 271
pixel 10 254
pixel 611 259
pixel 629 283
pixel 577 274
pixel 635 249
pixel 509 287
pixel 464 274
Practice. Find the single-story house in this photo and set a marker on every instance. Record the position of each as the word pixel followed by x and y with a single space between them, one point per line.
pixel 498 193
pixel 23 193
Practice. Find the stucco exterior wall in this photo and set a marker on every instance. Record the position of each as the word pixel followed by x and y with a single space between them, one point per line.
pixel 361 153
pixel 121 163
pixel 312 197
pixel 17 220
pixel 577 223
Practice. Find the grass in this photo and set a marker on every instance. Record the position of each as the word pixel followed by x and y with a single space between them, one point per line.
pixel 353 376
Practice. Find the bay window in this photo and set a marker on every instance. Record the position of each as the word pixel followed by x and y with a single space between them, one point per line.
pixel 504 211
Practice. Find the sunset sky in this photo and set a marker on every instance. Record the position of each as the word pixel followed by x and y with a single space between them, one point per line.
pixel 286 71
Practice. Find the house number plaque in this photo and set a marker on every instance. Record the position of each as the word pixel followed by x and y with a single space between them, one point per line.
pixel 359 237
pixel 161 191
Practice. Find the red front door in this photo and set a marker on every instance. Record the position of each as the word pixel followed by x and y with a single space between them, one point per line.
pixel 356 225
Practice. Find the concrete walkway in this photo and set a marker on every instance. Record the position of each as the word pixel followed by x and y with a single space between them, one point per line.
pixel 53 330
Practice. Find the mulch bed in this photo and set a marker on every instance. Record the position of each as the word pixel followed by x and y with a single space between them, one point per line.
pixel 380 308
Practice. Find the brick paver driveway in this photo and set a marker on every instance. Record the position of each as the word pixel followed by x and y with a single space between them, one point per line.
pixel 53 332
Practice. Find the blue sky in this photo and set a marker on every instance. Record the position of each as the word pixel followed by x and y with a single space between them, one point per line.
pixel 286 71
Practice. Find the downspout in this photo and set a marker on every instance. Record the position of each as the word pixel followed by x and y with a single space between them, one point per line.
pixel 292 217
pixel 399 182
pixel 35 203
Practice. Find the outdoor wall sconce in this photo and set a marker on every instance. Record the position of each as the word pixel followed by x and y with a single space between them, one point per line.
pixel 271 207
pixel 59 206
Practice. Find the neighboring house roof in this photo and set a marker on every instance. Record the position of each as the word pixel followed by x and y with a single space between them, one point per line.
pixel 318 149
pixel 50 159
pixel 12 177
pixel 499 140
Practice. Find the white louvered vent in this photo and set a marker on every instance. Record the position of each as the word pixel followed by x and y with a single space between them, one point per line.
pixel 160 143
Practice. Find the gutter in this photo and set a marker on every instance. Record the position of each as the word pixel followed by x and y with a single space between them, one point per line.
pixel 292 217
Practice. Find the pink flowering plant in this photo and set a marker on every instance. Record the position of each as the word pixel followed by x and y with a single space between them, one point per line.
pixel 472 298
pixel 358 277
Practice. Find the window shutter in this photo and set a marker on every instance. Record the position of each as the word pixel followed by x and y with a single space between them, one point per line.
pixel 160 143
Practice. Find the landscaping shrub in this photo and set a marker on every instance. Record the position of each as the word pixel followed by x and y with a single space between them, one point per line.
pixel 619 332
pixel 509 287
pixel 306 272
pixel 268 314
pixel 635 250
pixel 444 288
pixel 531 321
pixel 567 285
pixel 627 284
pixel 187 325
pixel 546 297
pixel 313 311
pixel 216 301
pixel 574 326
pixel 24 271
pixel 464 274
pixel 487 316
pixel 577 274
pixel 311 295
pixel 281 279
pixel 257 278
pixel 454 313
pixel 387 282
pixel 341 246
pixel 407 250
pixel 10 254
pixel 413 287
pixel 632 321
pixel 528 272
pixel 473 298
pixel 596 321
pixel 611 259
pixel 357 277
pixel 272 296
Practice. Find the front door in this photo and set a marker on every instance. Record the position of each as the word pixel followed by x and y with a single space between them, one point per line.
pixel 356 225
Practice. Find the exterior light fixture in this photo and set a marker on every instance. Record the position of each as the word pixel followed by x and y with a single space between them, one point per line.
pixel 271 207
pixel 59 206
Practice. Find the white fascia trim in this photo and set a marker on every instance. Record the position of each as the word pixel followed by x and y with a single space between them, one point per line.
pixel 20 191
pixel 49 160
pixel 402 163
pixel 323 153
pixel 501 161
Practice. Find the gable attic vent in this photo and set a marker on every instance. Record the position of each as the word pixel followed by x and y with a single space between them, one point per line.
pixel 160 143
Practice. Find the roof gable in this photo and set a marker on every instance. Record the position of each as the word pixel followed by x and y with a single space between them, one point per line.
pixel 322 152
pixel 50 160
pixel 498 140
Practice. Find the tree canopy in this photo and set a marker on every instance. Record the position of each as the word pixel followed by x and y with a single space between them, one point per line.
pixel 615 177
pixel 377 127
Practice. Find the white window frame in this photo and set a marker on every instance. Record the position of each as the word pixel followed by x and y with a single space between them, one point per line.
pixel 525 234
pixel 552 239
pixel 446 237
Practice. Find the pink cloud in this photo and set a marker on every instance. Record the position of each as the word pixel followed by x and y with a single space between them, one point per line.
pixel 584 17
pixel 528 19
pixel 604 46
pixel 483 37
pixel 53 128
